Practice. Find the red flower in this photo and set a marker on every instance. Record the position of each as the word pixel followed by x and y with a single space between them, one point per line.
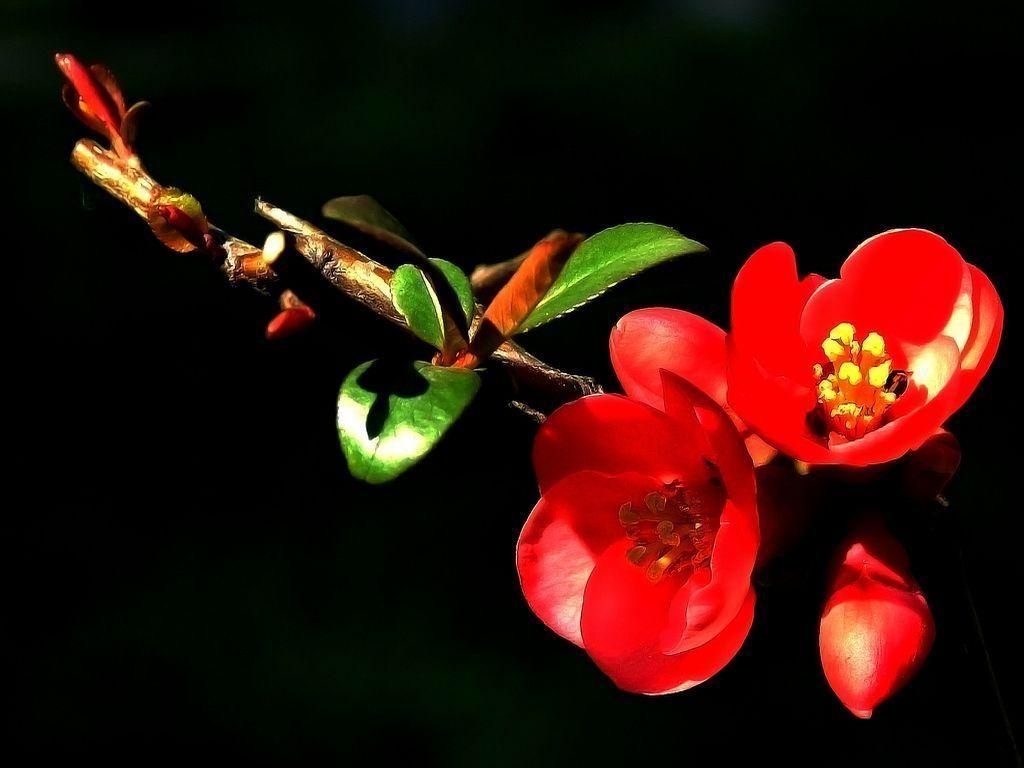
pixel 94 97
pixel 641 548
pixel 647 341
pixel 862 369
pixel 876 629
pixel 855 371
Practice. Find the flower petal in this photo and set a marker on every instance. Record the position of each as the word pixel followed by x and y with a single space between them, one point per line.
pixel 943 378
pixel 702 611
pixel 761 452
pixel 981 346
pixel 876 628
pixel 777 409
pixel 614 434
pixel 702 663
pixel 572 524
pixel 710 599
pixel 872 640
pixel 961 320
pixel 768 298
pixel 623 615
pixel 936 372
pixel 646 341
pixel 774 407
pixel 906 284
pixel 725 445
pixel 872 552
pixel 624 612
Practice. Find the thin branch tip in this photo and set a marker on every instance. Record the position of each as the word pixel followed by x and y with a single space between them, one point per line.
pixel 345 269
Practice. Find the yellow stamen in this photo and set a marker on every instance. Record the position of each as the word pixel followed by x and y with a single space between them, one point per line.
pixel 833 349
pixel 855 388
pixel 851 373
pixel 878 375
pixel 826 391
pixel 843 333
pixel 874 344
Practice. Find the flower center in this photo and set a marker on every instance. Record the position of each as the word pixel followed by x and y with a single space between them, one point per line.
pixel 857 384
pixel 675 532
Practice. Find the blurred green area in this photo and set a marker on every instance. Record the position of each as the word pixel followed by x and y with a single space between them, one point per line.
pixel 194 572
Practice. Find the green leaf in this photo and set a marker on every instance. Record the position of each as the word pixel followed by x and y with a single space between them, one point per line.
pixel 391 415
pixel 459 283
pixel 366 215
pixel 414 298
pixel 605 259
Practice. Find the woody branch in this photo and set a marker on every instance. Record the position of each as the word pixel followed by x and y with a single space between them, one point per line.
pixel 343 268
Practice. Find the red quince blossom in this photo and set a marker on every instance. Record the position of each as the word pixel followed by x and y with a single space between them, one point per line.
pixel 646 342
pixel 876 628
pixel 861 369
pixel 641 548
pixel 855 371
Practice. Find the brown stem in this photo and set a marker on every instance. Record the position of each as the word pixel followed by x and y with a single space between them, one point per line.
pixel 347 270
pixel 488 279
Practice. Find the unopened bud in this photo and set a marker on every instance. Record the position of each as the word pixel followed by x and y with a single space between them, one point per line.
pixel 876 629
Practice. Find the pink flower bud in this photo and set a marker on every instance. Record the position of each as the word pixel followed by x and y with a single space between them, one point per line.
pixel 876 629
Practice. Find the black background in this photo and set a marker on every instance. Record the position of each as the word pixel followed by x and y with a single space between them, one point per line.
pixel 191 569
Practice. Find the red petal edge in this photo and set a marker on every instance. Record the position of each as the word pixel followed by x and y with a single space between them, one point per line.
pixel 646 341
pixel 768 298
pixel 571 526
pixel 986 332
pixel 906 284
pixel 623 614
pixel 613 434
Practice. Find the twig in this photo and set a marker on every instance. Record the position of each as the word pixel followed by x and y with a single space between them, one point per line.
pixel 346 269
pixel 488 279
pixel 533 413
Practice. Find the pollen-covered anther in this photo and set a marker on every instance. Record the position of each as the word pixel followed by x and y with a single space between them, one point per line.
pixel 673 533
pixel 857 383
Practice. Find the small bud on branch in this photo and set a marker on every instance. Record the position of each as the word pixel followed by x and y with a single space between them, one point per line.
pixel 179 222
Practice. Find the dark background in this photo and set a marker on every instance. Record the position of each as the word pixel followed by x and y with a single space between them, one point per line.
pixel 191 569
